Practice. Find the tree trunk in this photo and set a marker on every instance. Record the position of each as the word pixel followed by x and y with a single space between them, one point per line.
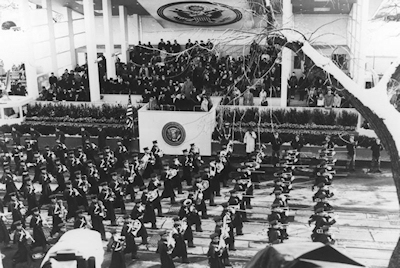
pixel 378 125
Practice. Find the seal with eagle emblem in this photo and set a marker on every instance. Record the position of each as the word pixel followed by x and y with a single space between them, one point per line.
pixel 173 133
pixel 199 13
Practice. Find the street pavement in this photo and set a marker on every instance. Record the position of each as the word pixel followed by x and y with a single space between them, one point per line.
pixel 367 228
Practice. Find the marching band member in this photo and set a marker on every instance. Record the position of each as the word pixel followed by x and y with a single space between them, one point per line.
pixel 189 212
pixel 128 232
pixel 164 251
pixel 199 188
pixel 278 214
pixel 45 179
pixel 185 230
pixel 322 203
pixel 153 194
pixel 4 233
pixel 103 167
pixel 36 224
pixel 90 150
pixel 138 169
pixel 34 135
pixel 59 173
pixel 148 162
pixel 128 179
pixel 228 218
pixel 29 150
pixel 49 156
pixel 93 177
pixel 82 187
pixel 97 212
pixel 30 195
pixel 110 158
pixel 9 180
pixel 117 257
pixel 222 229
pixel 70 195
pixel 214 253
pixel 167 176
pixel 177 181
pixel 137 213
pixel 274 233
pixel 80 221
pixel 107 196
pixel 180 249
pixel 38 162
pixel 245 185
pixel 17 209
pixel 60 150
pixel 158 154
pixel 194 153
pixel 73 165
pixel 209 193
pixel 121 154
pixel 117 188
pixel 17 154
pixel 21 238
pixel 187 167
pixel 56 211
pixel 81 156
pixel 240 216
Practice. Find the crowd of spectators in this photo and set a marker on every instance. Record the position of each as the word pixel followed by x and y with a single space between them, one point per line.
pixel 18 81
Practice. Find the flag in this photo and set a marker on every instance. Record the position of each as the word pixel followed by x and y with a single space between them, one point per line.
pixel 129 114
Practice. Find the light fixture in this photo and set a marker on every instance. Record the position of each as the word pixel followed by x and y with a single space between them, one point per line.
pixel 322 9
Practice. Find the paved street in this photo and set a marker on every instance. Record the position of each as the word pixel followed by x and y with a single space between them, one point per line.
pixel 367 229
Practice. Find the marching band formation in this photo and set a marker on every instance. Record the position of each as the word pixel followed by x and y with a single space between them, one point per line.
pixel 100 181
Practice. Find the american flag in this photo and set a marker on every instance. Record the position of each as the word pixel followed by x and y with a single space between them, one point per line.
pixel 129 114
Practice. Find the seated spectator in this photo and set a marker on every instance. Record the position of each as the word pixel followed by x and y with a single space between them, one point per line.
pixel 153 105
pixel 248 98
pixel 187 88
pixel 263 97
pixel 329 98
pixel 312 99
pixel 321 100
pixel 337 100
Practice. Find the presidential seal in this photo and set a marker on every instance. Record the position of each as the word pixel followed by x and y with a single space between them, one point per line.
pixel 199 13
pixel 173 133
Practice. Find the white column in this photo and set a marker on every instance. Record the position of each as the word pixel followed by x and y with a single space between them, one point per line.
pixel 123 24
pixel 71 37
pixel 29 54
pixel 136 28
pixel 108 37
pixel 363 10
pixel 52 36
pixel 91 50
pixel 287 54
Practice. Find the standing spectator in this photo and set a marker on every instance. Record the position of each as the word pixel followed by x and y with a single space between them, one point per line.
pixel 16 136
pixel 60 135
pixel 263 97
pixel 236 95
pixel 187 88
pixel 52 80
pixel 292 85
pixel 248 98
pixel 303 85
pixel 337 100
pixel 85 135
pixel 276 147
pixel 329 98
pixel 321 100
pixel 297 143
pixel 351 152
pixel 312 99
pixel 250 141
pixel 376 148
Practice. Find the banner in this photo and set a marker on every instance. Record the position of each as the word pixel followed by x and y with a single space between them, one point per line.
pixel 222 14
pixel 176 130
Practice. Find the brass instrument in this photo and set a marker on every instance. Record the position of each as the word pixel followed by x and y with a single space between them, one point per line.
pixel 27 235
pixel 177 163
pixel 171 173
pixel 213 168
pixel 134 227
pixel 199 195
pixel 152 195
pixel 171 242
pixel 100 209
pixel 219 167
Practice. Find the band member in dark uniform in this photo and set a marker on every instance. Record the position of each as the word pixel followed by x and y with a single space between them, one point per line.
pixel 185 231
pixel 128 232
pixel 17 209
pixel 180 249
pixel 97 212
pixel 45 179
pixel 121 154
pixel 194 153
pixel 177 180
pixel 118 257
pixel 214 253
pixel 189 212
pixel 158 154
pixel 117 188
pixel 56 212
pixel 138 170
pixel 70 195
pixel 93 177
pixel 187 167
pixel 23 253
pixel 148 161
pixel 59 172
pixel 167 176
pixel 107 196
pixel 36 224
pixel 164 251
pixel 60 151
pixel 153 194
pixel 80 220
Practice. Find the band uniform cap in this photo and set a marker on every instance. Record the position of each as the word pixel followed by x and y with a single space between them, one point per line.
pixel 275 205
pixel 71 152
pixel 184 151
pixel 218 218
pixel 114 173
pixel 43 168
pixel 59 196
pixel 233 191
pixel 68 183
pixel 26 178
pixel 113 231
pixel 13 194
pixel 274 222
pixel 145 148
pixel 319 210
pixel 35 209
pixel 214 235
pixel 53 196
pixel 93 196
pixel 176 218
pixel 192 144
pixel 62 224
pixel 77 172
pixel 127 217
pixel 224 205
pixel 90 161
pixel 58 141
pixel 154 142
pixel 187 202
pixel 104 183
pixel 162 232
pixel 25 174
pixel 79 211
pixel 17 223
